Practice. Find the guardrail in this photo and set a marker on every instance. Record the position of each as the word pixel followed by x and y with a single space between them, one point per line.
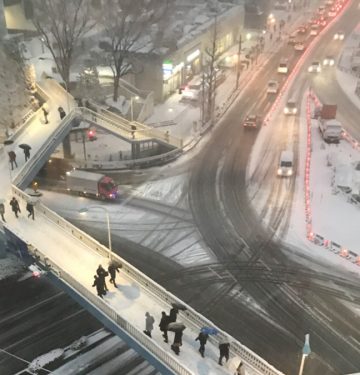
pixel 190 316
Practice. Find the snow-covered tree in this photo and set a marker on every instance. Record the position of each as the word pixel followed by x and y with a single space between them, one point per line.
pixel 88 83
pixel 127 25
pixel 62 23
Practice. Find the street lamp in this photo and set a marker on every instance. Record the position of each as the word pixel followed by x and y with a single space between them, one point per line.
pixel 84 210
pixel 132 106
pixel 305 352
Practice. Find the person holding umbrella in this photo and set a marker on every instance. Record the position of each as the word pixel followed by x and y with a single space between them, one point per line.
pixel 26 149
pixel 202 337
pixel 178 329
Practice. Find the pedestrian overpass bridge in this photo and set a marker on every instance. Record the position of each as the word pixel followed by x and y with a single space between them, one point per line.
pixel 70 257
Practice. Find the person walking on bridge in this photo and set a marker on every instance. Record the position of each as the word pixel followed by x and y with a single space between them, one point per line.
pixel 102 274
pixel 12 159
pixel 113 268
pixel 149 324
pixel 2 211
pixel 164 322
pixel 15 206
pixel 202 339
pixel 30 210
pixel 99 286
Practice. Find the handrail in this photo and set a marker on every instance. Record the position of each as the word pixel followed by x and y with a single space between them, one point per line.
pixel 190 316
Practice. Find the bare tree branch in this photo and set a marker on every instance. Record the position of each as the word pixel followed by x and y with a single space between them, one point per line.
pixel 62 24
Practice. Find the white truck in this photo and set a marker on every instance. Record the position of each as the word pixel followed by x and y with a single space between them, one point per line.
pixel 91 184
pixel 330 128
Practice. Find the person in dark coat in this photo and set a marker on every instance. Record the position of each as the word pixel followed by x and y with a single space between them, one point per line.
pixel 102 274
pixel 149 324
pixel 27 153
pixel 62 113
pixel 12 159
pixel 202 339
pixel 175 347
pixel 99 286
pixel 46 113
pixel 15 206
pixel 173 314
pixel 113 268
pixel 2 212
pixel 224 352
pixel 30 210
pixel 164 322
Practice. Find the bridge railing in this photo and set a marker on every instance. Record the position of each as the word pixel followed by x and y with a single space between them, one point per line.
pixel 190 316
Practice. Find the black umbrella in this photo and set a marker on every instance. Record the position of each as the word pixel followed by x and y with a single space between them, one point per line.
pixel 24 146
pixel 8 142
pixel 176 327
pixel 179 306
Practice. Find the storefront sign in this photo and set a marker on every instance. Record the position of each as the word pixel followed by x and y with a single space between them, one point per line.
pixel 167 68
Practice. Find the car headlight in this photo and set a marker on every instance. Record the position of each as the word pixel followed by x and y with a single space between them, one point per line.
pixel 336 37
pixel 289 172
pixel 325 62
pixel 295 110
pixel 341 37
pixel 310 69
pixel 279 171
pixel 318 69
pixel 331 63
pixel 286 110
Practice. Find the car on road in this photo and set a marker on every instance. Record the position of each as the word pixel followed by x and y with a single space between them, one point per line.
pixel 252 121
pixel 315 67
pixel 332 12
pixel 329 61
pixel 302 29
pixel 286 164
pixel 283 67
pixel 272 87
pixel 299 46
pixel 290 107
pixel 314 29
pixel 340 35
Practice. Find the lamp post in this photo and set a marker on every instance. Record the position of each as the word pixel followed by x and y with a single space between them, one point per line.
pixel 305 352
pixel 86 209
pixel 132 106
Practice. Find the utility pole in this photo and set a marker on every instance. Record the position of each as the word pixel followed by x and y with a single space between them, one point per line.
pixel 238 64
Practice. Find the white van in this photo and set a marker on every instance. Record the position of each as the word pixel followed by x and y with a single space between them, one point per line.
pixel 283 67
pixel 286 164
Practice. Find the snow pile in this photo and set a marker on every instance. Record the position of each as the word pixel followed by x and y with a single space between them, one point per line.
pixel 10 266
pixel 40 362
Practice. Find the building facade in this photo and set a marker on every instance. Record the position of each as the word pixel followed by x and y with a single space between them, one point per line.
pixel 165 70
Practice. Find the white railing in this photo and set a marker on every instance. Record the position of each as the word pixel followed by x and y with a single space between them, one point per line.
pixel 190 316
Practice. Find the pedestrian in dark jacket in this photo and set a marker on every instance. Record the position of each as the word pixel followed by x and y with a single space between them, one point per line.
pixel 46 113
pixel 2 211
pixel 173 314
pixel 202 339
pixel 224 352
pixel 164 322
pixel 149 324
pixel 12 159
pixel 30 210
pixel 99 287
pixel 27 153
pixel 175 347
pixel 15 206
pixel 102 274
pixel 62 113
pixel 113 268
